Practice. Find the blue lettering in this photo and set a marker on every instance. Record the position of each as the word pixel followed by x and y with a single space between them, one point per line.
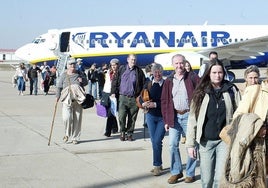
pixel 99 37
pixel 187 36
pixel 204 39
pixel 140 37
pixel 156 40
pixel 170 40
pixel 219 36
pixel 120 43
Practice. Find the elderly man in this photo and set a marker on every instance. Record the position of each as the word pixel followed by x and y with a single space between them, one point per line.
pixel 127 85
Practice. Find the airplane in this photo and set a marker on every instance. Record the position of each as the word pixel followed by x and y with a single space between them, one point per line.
pixel 99 44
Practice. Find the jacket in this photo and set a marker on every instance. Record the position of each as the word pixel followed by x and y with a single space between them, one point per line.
pixel 195 125
pixel 168 111
pixel 250 95
pixel 140 80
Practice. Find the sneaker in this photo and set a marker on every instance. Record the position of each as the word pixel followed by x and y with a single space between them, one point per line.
pixel 174 178
pixel 160 167
pixel 183 140
pixel 65 139
pixel 75 142
pixel 157 170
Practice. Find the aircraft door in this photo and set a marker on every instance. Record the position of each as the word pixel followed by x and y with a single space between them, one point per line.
pixel 64 42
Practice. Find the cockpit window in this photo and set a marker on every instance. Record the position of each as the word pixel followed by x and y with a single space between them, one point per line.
pixel 38 40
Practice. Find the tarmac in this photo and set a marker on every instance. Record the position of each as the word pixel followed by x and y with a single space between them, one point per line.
pixel 26 160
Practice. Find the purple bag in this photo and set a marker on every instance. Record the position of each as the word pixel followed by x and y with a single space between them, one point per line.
pixel 101 110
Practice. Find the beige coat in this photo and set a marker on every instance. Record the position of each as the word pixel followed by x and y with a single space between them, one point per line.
pixel 77 93
pixel 251 94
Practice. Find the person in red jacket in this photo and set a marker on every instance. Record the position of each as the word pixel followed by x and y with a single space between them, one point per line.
pixel 175 103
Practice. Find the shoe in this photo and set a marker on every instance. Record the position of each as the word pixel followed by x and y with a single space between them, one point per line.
pixel 174 178
pixel 157 170
pixel 115 131
pixel 130 138
pixel 107 134
pixel 160 167
pixel 122 136
pixel 183 140
pixel 189 179
pixel 75 142
pixel 65 139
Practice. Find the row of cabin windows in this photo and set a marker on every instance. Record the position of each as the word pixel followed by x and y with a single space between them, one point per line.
pixel 104 41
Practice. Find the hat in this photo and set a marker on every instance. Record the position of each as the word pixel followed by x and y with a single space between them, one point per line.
pixel 116 61
pixel 79 59
pixel 71 61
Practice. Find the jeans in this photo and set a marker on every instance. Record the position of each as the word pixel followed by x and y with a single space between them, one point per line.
pixel 212 159
pixel 33 85
pixel 93 89
pixel 174 139
pixel 21 83
pixel 157 132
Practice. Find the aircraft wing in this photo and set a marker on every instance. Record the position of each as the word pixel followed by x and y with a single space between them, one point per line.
pixel 240 50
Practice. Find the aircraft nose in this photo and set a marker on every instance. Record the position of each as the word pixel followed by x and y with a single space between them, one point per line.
pixel 24 52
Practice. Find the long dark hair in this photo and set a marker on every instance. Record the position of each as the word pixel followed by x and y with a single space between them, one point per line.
pixel 204 85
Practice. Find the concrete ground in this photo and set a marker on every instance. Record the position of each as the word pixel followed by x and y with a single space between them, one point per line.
pixel 26 160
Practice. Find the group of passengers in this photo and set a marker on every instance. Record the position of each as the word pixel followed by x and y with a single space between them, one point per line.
pixel 23 75
pixel 195 107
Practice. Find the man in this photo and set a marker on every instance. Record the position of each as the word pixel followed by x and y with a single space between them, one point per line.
pixel 204 67
pixel 33 77
pixel 127 85
pixel 175 103
pixel 80 66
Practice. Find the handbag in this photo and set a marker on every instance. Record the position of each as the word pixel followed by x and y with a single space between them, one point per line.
pixel 101 110
pixel 144 95
pixel 88 102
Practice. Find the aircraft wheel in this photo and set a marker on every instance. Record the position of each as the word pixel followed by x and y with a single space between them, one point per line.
pixel 231 76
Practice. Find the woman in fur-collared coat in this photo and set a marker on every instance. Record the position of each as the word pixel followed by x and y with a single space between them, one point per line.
pixel 255 100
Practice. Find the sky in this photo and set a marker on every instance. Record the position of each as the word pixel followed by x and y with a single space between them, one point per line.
pixel 23 20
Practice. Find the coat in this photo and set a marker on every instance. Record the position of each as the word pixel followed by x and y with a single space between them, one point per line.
pixel 245 160
pixel 250 95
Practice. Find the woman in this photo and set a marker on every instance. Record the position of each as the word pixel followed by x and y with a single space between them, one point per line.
pixel 154 117
pixel 255 100
pixel 111 123
pixel 188 66
pixel 71 93
pixel 251 76
pixel 21 75
pixel 212 107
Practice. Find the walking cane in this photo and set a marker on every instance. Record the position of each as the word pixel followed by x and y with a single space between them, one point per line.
pixel 52 124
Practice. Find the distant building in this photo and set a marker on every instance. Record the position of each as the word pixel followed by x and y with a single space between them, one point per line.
pixel 8 56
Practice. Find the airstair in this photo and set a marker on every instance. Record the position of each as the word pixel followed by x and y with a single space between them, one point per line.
pixel 61 64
